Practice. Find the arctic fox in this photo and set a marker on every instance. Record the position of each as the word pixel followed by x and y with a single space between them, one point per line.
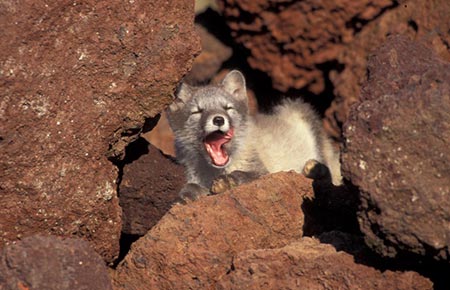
pixel 215 136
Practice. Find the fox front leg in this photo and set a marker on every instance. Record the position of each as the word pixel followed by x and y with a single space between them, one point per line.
pixel 233 179
pixel 192 191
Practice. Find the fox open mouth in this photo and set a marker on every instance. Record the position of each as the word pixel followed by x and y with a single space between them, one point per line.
pixel 214 146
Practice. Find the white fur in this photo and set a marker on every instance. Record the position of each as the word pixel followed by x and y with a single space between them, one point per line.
pixel 263 143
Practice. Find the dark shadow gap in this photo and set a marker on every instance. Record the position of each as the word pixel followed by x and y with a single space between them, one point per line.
pixel 126 240
pixel 133 152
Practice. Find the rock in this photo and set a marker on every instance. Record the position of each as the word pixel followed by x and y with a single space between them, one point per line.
pixel 307 264
pixel 207 64
pixel 162 136
pixel 193 245
pixel 323 46
pixel 290 41
pixel 149 188
pixel 78 81
pixel 421 20
pixel 40 262
pixel 397 151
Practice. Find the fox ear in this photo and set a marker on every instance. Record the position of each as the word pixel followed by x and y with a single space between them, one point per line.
pixel 234 84
pixel 184 94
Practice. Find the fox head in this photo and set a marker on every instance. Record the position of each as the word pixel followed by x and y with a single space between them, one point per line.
pixel 209 121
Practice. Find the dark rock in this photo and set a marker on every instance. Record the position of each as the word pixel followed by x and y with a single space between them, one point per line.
pixel 40 262
pixel 307 264
pixel 78 80
pixel 397 151
pixel 193 245
pixel 149 187
pixel 421 20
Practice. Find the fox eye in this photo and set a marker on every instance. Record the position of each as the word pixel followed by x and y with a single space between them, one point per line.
pixel 196 111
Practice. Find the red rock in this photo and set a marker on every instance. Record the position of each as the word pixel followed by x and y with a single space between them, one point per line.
pixel 307 264
pixel 207 64
pixel 307 44
pixel 426 21
pixel 289 40
pixel 193 245
pixel 78 81
pixel 52 263
pixel 397 151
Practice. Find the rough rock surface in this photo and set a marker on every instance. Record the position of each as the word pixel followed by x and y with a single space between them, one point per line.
pixel 149 188
pixel 323 45
pixel 290 40
pixel 77 81
pixel 307 264
pixel 209 61
pixel 397 151
pixel 52 263
pixel 193 245
pixel 420 20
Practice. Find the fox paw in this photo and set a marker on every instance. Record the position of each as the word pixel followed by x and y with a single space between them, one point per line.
pixel 235 178
pixel 191 192
pixel 223 183
pixel 315 170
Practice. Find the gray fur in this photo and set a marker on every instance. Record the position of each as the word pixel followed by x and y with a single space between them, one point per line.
pixel 284 140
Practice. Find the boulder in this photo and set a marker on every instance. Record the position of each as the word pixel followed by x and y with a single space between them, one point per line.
pixel 149 188
pixel 290 40
pixel 322 47
pixel 209 61
pixel 78 80
pixel 194 245
pixel 420 20
pixel 52 263
pixel 308 264
pixel 397 151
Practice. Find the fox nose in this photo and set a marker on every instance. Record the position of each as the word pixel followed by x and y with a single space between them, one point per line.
pixel 218 121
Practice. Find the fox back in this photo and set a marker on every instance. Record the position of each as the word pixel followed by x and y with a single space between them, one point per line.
pixel 215 135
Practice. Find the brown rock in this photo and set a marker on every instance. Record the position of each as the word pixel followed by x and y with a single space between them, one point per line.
pixel 149 187
pixel 193 245
pixel 421 20
pixel 78 80
pixel 207 64
pixel 307 264
pixel 162 136
pixel 290 40
pixel 307 44
pixel 49 263
pixel 397 151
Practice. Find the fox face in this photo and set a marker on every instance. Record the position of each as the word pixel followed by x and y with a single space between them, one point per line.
pixel 208 121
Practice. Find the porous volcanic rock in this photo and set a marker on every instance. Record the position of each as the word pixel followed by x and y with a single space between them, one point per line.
pixel 426 21
pixel 193 245
pixel 397 151
pixel 290 40
pixel 307 264
pixel 52 263
pixel 77 81
pixel 149 188
pixel 323 45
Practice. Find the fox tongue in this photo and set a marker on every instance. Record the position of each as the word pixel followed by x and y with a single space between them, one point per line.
pixel 213 144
